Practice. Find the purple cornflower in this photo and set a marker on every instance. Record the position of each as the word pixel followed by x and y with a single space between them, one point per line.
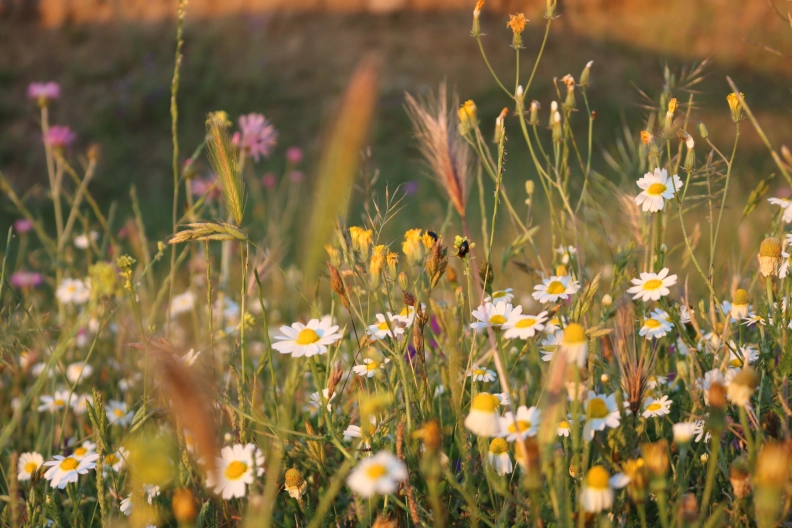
pixel 59 136
pixel 26 279
pixel 269 180
pixel 201 186
pixel 411 188
pixel 23 225
pixel 294 155
pixel 256 135
pixel 43 91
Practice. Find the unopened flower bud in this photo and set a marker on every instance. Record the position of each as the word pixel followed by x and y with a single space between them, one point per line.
pixel 500 126
pixel 533 117
pixel 604 378
pixel 584 76
pixel 476 31
pixel 673 104
pixel 702 130
pixel 656 457
pixel 403 281
pixel 607 300
pixel 467 118
pixel 735 106
pixel 557 132
pixel 703 458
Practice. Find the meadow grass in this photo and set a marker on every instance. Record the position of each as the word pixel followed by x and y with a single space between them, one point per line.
pixel 600 339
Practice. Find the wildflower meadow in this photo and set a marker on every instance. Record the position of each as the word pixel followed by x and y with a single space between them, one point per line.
pixel 581 340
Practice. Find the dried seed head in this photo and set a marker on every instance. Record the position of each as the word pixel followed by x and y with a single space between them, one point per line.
pixel 740 297
pixel 772 466
pixel 335 377
pixel 337 284
pixel 740 478
pixel 717 396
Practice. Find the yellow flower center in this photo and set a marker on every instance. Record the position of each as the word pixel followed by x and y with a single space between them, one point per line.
pixel 528 322
pixel 307 337
pixel 656 189
pixel 740 297
pixel 485 402
pixel 497 320
pixel 111 459
pixel 597 478
pixel 653 284
pixel 574 334
pixel 652 323
pixel 479 372
pixel 59 402
pixel 405 312
pixel 597 408
pixel 118 412
pixel 563 424
pixel 372 365
pixel 498 446
pixel 382 326
pixel 524 425
pixel 235 470
pixel 80 451
pixel 376 471
pixel 735 363
pixel 69 463
pixel 556 288
pixel 498 294
pixel 30 467
pixel 653 407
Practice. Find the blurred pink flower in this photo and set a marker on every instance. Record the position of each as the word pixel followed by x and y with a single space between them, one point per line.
pixel 256 136
pixel 294 155
pixel 23 225
pixel 43 91
pixel 201 186
pixel 269 180
pixel 296 176
pixel 59 136
pixel 26 279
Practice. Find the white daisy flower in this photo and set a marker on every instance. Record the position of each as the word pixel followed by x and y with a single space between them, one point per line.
pixel 73 291
pixel 369 367
pixel 684 432
pixel 407 315
pixel 656 325
pixel 355 431
pixel 493 315
pixel 601 411
pixel 188 359
pixel 786 206
pixel 753 318
pixel 182 303
pixel 480 374
pixel 483 418
pixel 548 346
pixel 521 326
pixel 574 344
pixel 315 402
pixel 499 457
pixel 78 371
pixel 699 431
pixel 28 463
pixel 307 340
pixel 653 407
pixel 655 381
pixel 563 428
pixel 657 188
pixel 596 493
pixel 115 461
pixel 65 470
pixel 747 353
pixel 117 413
pixel 726 310
pixel 391 327
pixel 681 348
pixel 151 491
pixel 500 296
pixel 82 241
pixel 652 286
pixel 377 475
pixel 502 397
pixel 235 468
pixel 54 403
pixel 566 253
pixel 555 324
pixel 555 288
pixel 528 421
pixel 126 505
pixel 686 313
pixel 85 449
